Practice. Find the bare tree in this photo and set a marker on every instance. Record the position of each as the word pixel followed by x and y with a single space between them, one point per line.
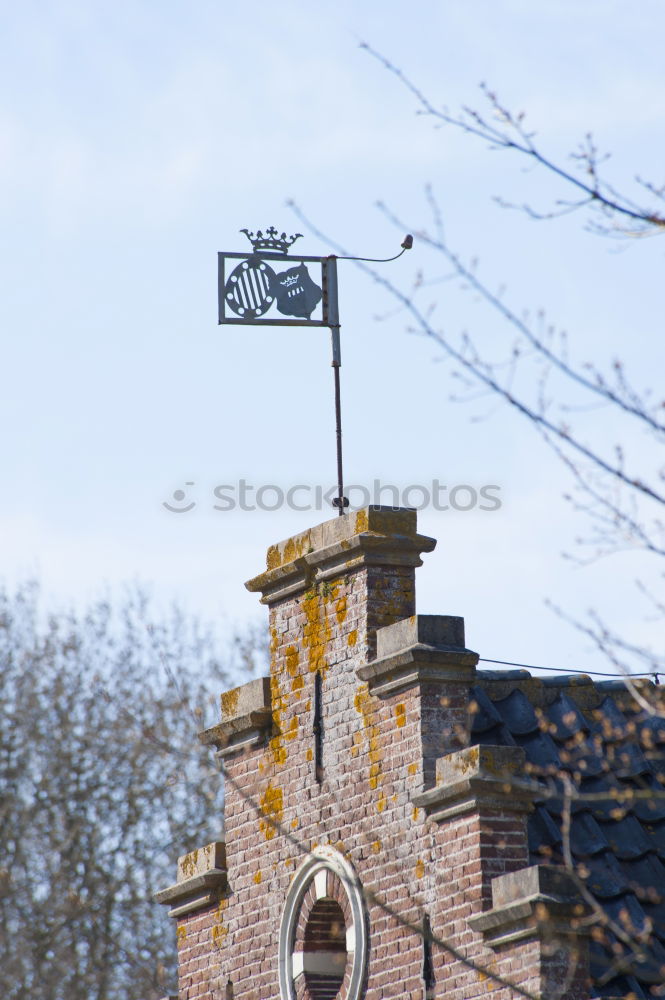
pixel 610 211
pixel 607 431
pixel 103 783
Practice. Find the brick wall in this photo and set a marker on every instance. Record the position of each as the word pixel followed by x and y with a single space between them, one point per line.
pixel 328 592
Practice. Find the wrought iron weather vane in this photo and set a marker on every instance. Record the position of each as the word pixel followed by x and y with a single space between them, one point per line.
pixel 259 284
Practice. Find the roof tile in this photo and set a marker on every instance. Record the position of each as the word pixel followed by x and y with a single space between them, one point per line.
pixel 627 838
pixel 586 837
pixel 485 715
pixel 565 718
pixel 595 750
pixel 603 876
pixel 541 753
pixel 518 714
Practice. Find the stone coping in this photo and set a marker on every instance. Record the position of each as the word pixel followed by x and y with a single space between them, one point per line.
pixel 246 716
pixel 201 878
pixel 478 777
pixel 253 696
pixel 431 631
pixel 372 536
pixel 418 665
pixel 247 730
pixel 425 649
pixel 210 857
pixel 541 901
pixel 194 886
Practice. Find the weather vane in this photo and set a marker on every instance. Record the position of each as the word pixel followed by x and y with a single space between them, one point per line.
pixel 260 284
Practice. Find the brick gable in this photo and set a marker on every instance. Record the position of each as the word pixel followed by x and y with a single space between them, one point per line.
pixel 356 785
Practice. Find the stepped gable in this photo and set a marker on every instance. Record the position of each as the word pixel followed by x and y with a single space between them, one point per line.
pixel 612 751
pixel 400 824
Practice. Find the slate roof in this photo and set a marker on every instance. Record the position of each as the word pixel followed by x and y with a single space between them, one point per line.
pixel 612 750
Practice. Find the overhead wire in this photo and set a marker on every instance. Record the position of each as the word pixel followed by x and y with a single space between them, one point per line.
pixel 572 670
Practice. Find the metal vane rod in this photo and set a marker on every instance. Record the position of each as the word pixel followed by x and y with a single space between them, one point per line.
pixel 340 501
pixel 330 298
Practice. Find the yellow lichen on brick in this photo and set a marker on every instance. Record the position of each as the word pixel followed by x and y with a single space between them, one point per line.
pixel 352 637
pixel 294 824
pixel 340 610
pixel 219 931
pixel 271 804
pixel 365 707
pixel 382 802
pixel 279 703
pixel 420 868
pixel 297 684
pixel 414 814
pixel 309 755
pixel 257 876
pixel 279 753
pixel 181 933
pixel 218 934
pixel 292 660
pixel 292 731
pixel 400 714
pixel 412 768
pixel 317 632
pixel 361 699
pixel 376 846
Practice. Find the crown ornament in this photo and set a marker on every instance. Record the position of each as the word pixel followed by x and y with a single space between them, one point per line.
pixel 270 240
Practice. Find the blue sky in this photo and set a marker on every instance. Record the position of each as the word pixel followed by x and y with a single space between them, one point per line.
pixel 137 139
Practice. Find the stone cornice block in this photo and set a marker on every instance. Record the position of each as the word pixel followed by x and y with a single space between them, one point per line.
pixel 200 881
pixel 202 860
pixel 246 715
pixel 542 901
pixel 420 649
pixel 478 778
pixel 372 536
pixel 437 631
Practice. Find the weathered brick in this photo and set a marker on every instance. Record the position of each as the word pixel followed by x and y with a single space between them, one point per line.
pixel 326 603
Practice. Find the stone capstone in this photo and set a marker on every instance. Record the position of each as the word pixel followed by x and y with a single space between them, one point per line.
pixel 200 881
pixel 372 536
pixel 246 718
pixel 419 649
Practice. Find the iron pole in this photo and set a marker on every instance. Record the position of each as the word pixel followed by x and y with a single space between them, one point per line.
pixel 338 433
pixel 332 315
